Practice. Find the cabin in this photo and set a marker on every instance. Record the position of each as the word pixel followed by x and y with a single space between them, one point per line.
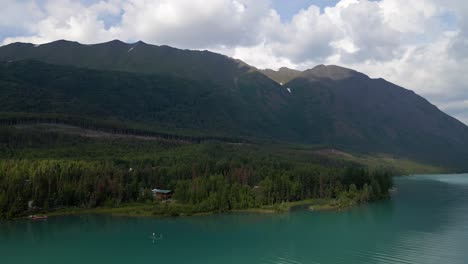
pixel 162 194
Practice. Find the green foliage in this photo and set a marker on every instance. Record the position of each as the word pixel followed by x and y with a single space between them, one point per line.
pixel 177 104
pixel 194 121
pixel 57 171
pixel 53 184
pixel 187 93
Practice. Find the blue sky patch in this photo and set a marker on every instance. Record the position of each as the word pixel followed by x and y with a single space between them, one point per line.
pixel 288 8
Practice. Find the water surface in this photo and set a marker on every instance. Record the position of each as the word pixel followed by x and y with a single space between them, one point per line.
pixel 425 222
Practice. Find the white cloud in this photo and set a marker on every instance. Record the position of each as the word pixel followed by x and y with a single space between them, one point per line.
pixel 194 23
pixel 419 44
pixel 409 16
pixel 67 19
pixel 18 16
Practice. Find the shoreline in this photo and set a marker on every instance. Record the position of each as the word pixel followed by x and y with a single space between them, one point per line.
pixel 181 210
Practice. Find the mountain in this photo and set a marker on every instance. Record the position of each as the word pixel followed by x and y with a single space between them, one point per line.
pixel 137 57
pixel 207 93
pixel 282 75
pixel 349 110
pixel 159 101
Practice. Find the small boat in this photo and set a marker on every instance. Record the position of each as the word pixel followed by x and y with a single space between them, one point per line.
pixel 38 217
pixel 154 237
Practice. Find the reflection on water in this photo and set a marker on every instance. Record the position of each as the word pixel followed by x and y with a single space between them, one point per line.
pixel 425 222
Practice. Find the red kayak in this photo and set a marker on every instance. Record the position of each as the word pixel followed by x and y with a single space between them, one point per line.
pixel 38 217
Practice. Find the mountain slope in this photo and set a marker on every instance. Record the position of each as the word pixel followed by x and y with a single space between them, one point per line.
pixel 159 100
pixel 282 75
pixel 352 111
pixel 137 57
pixel 167 88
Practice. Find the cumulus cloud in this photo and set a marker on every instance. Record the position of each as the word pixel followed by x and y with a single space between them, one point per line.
pixel 67 19
pixel 182 23
pixel 194 23
pixel 419 44
pixel 17 16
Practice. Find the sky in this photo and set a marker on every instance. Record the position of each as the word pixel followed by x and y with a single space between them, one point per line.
pixel 421 45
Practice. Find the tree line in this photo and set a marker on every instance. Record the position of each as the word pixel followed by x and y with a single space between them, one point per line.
pixel 42 170
pixel 9 119
pixel 28 185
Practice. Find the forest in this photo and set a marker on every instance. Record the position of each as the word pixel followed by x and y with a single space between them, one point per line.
pixel 43 171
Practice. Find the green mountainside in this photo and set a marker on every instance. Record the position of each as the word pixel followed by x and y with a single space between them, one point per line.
pixel 159 101
pixel 168 89
pixel 355 112
pixel 281 76
pixel 138 57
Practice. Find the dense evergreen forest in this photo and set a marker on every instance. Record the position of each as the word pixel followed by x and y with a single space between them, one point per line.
pixel 43 170
pixel 176 95
pixel 92 126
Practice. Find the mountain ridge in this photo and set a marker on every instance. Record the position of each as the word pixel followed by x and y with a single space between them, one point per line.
pixel 199 90
pixel 136 57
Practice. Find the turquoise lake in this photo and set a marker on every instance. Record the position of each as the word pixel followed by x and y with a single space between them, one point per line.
pixel 426 221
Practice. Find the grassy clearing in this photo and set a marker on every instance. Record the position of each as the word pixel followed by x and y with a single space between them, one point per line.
pixel 403 166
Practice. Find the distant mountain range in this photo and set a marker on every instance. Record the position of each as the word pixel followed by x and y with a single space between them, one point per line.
pixel 207 93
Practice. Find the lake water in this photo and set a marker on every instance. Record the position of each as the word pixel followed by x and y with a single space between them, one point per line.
pixel 425 222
